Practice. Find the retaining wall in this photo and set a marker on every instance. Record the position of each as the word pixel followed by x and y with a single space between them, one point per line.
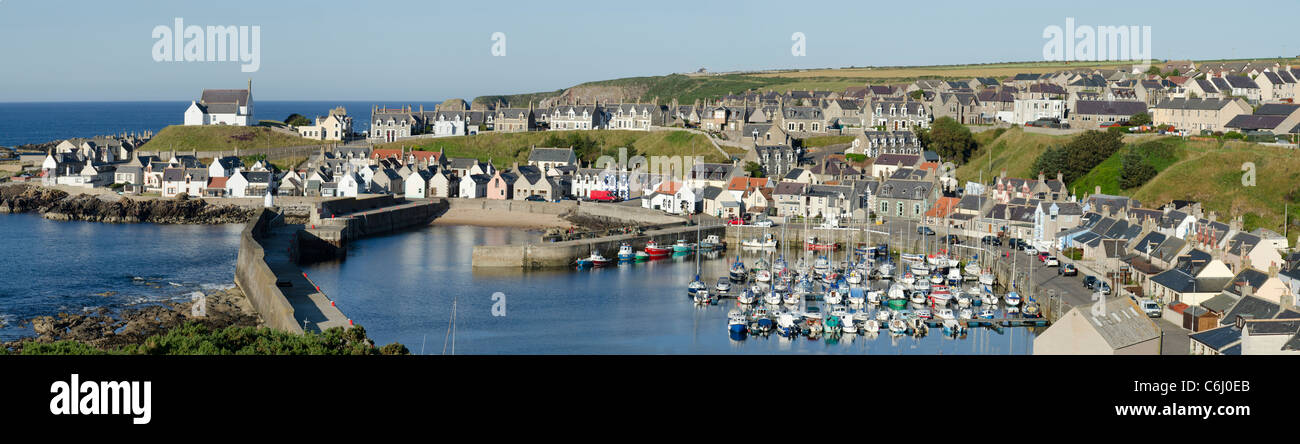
pixel 255 278
pixel 563 254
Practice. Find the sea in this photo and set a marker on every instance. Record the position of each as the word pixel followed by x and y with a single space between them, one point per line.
pixel 39 122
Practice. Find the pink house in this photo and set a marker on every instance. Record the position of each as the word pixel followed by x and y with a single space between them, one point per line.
pixel 499 187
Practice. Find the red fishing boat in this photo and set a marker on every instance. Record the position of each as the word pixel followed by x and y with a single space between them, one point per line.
pixel 653 249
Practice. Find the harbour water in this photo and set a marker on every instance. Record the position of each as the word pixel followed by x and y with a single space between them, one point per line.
pixel 52 266
pixel 403 287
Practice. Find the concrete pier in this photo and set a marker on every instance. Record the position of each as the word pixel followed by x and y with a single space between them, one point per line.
pixel 336 223
pixel 563 254
pixel 275 285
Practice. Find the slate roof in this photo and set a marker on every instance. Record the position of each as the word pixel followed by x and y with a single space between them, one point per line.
pixel 1251 307
pixel 1221 303
pixel 1276 109
pixel 1255 122
pixel 905 189
pixel 1218 338
pixel 1195 104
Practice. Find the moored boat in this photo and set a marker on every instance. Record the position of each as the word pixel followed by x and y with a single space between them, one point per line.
pixel 653 249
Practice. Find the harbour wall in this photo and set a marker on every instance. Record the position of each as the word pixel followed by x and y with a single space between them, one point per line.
pixel 327 238
pixel 643 216
pixel 562 254
pixel 254 277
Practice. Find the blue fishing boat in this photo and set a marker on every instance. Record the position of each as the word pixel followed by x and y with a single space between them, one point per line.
pixel 625 252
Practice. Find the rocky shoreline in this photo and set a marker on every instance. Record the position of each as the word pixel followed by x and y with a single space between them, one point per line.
pixel 107 329
pixel 58 205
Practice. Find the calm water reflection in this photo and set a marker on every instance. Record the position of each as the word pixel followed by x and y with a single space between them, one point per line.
pixel 401 288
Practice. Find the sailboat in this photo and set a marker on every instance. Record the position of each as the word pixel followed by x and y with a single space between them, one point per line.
pixel 738 271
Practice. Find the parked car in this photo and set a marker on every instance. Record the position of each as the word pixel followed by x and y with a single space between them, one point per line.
pixel 1090 281
pixel 1151 308
pixel 924 231
pixel 1067 270
pixel 1051 261
pixel 991 240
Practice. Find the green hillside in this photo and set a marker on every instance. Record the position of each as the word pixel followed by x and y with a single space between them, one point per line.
pixel 503 149
pixel 222 138
pixel 1209 172
pixel 1012 150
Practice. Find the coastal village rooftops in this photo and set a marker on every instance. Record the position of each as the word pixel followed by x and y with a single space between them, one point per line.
pixel 1251 307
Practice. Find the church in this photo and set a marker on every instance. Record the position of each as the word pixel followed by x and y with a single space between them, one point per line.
pixel 222 107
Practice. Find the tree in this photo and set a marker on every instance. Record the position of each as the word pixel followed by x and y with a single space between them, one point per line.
pixel 754 169
pixel 951 140
pixel 1134 170
pixel 1081 155
pixel 296 119
pixel 1140 119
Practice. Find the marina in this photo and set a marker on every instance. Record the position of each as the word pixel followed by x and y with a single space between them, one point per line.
pixel 638 306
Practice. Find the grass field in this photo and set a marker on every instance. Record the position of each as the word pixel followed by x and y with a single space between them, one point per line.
pixel 503 149
pixel 819 141
pixel 221 138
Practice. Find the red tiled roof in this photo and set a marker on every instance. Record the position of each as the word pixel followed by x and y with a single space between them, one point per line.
pixel 943 207
pixel 745 183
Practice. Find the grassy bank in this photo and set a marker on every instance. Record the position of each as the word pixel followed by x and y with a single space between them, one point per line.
pixel 222 138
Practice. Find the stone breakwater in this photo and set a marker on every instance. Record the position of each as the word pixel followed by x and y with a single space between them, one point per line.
pixel 58 205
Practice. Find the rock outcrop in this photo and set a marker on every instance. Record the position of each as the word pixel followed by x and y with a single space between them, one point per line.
pixel 58 205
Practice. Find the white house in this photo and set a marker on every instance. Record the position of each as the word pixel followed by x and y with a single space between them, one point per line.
pixel 350 184
pixel 474 186
pixel 222 107
pixel 417 184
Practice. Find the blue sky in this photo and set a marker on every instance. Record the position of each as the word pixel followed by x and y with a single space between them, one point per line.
pixel 397 50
